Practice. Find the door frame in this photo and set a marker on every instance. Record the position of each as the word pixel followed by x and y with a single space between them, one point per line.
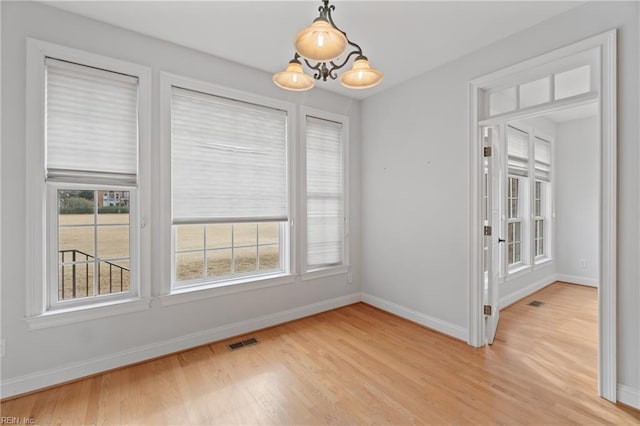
pixel 606 43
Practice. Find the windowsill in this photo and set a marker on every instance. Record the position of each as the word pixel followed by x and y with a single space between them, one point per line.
pixel 324 272
pixel 83 313
pixel 518 271
pixel 206 290
pixel 543 261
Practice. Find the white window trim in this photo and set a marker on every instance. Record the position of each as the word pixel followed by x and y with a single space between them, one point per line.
pixel 530 262
pixel 37 241
pixel 309 273
pixel 171 294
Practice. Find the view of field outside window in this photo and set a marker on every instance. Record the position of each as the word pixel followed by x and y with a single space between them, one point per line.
pixel 223 250
pixel 93 243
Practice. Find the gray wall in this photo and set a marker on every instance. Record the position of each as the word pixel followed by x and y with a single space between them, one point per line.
pixel 415 174
pixel 39 357
pixel 577 169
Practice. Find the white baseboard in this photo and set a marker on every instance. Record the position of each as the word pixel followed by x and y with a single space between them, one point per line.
pixel 418 317
pixel 574 279
pixel 629 396
pixel 512 298
pixel 45 378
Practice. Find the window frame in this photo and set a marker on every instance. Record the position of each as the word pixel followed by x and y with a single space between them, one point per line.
pixel 529 260
pixel 53 232
pixel 517 219
pixel 538 217
pixel 39 312
pixel 172 294
pixel 311 271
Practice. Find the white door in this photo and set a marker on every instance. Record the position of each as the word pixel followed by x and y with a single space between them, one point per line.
pixel 493 178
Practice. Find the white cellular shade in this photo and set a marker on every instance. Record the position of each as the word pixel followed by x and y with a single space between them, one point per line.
pixel 543 159
pixel 229 160
pixel 517 152
pixel 325 192
pixel 91 122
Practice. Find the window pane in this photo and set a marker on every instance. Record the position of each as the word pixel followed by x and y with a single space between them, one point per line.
pixel 114 277
pixel 74 282
pixel 534 93
pixel 189 237
pixel 269 257
pixel 219 262
pixel 79 240
pixel 76 207
pixel 189 266
pixel 510 254
pixel 245 234
pixel 503 101
pixel 516 253
pixel 269 233
pixel 245 259
pixel 516 232
pixel 113 207
pixel 573 82
pixel 113 242
pixel 219 236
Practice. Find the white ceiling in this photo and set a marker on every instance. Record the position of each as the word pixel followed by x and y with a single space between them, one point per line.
pixel 402 39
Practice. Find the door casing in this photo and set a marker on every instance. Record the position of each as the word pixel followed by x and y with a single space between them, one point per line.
pixel 606 45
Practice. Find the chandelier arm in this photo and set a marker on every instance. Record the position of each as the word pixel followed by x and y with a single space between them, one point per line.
pixel 333 24
pixel 335 66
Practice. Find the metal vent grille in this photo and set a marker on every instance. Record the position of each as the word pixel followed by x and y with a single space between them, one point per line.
pixel 536 303
pixel 243 343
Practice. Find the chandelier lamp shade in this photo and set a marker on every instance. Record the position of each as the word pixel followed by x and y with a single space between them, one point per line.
pixel 320 46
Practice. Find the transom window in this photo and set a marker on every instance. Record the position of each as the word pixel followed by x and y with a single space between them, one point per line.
pixel 573 78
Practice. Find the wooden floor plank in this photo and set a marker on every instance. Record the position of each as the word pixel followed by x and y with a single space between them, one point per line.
pixel 360 365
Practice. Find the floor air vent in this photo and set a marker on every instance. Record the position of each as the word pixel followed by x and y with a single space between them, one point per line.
pixel 536 303
pixel 243 343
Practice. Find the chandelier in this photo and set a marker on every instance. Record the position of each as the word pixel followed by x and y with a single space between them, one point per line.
pixel 323 43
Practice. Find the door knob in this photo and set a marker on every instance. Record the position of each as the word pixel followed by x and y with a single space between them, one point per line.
pixel 500 240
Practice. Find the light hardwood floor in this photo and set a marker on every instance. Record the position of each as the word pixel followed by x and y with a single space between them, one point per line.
pixel 360 365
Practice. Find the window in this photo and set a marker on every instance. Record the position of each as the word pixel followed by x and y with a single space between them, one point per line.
pixel 325 213
pixel 541 210
pixel 230 202
pixel 514 223
pixel 91 162
pixel 539 221
pixel 517 180
pixel 87 131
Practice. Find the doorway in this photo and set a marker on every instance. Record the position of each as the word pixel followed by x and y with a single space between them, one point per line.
pixel 530 89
